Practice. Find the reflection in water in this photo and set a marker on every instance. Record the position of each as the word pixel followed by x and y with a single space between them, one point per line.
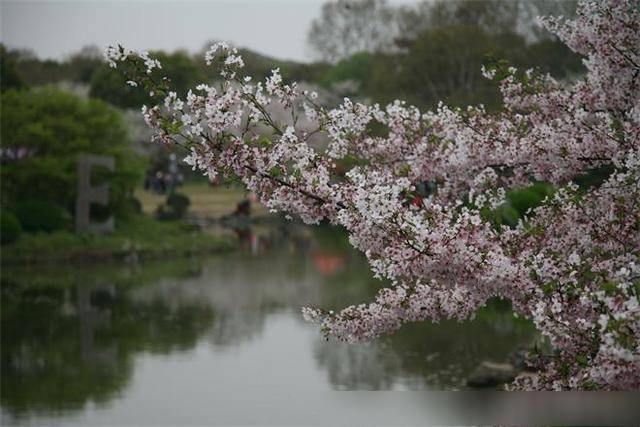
pixel 96 342
pixel 64 345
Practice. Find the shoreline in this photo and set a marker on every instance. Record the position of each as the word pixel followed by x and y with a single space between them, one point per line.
pixel 141 238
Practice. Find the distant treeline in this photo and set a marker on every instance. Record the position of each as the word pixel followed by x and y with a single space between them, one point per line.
pixel 22 68
pixel 429 53
pixel 433 51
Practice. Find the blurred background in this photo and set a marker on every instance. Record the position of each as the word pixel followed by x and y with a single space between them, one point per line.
pixel 196 289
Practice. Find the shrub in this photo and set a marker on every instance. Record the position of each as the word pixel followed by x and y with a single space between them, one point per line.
pixel 10 228
pixel 35 215
pixel 175 207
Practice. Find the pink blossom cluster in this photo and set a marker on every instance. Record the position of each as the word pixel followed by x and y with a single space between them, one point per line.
pixel 572 264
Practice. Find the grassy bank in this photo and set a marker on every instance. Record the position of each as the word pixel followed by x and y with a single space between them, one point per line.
pixel 140 237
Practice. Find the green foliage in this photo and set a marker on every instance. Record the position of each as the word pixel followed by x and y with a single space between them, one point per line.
pixel 443 64
pixel 43 133
pixel 554 57
pixel 526 198
pixel 594 177
pixel 83 64
pixel 110 85
pixel 302 72
pixel 259 67
pixel 76 68
pixel 38 215
pixel 519 201
pixel 504 214
pixel 331 239
pixel 10 228
pixel 356 67
pixel 9 75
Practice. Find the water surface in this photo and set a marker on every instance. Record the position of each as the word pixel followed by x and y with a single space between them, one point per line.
pixel 216 339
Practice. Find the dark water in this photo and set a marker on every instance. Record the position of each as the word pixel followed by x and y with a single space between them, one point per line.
pixel 206 340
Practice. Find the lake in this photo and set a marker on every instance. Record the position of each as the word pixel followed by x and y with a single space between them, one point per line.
pixel 217 338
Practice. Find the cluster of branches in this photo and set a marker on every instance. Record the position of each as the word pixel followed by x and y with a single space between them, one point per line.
pixel 419 198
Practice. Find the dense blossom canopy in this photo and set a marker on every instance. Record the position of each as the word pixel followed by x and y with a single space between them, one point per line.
pixel 418 200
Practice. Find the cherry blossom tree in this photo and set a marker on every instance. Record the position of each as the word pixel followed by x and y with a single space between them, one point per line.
pixel 571 265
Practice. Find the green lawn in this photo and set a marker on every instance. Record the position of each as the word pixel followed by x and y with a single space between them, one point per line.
pixel 207 202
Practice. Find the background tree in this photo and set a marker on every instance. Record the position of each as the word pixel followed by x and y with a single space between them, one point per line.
pixel 492 16
pixel 441 47
pixel 346 27
pixel 84 63
pixel 35 71
pixel 261 66
pixel 109 85
pixel 43 133
pixel 356 68
pixel 443 64
pixel 9 75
